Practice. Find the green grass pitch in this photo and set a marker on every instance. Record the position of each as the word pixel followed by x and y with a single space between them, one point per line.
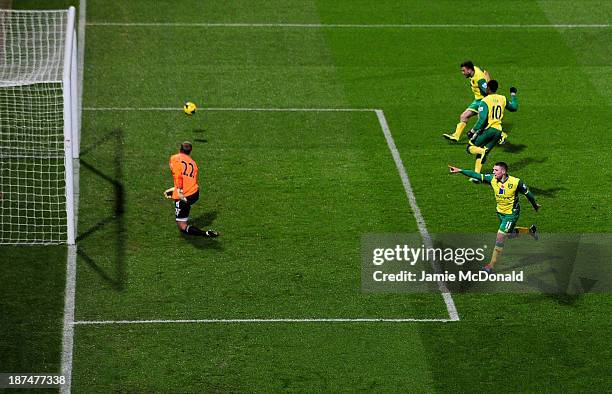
pixel 293 192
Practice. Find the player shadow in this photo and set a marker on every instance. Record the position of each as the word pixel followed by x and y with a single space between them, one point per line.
pixel 200 140
pixel 204 221
pixel 513 148
pixel 560 269
pixel 550 192
pixel 519 165
pixel 203 243
pixel 566 269
pixel 115 218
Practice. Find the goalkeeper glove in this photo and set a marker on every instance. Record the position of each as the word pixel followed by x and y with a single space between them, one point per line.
pixel 168 193
pixel 512 90
pixel 181 195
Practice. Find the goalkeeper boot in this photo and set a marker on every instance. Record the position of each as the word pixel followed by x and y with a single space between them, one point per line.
pixel 211 234
pixel 450 137
pixel 488 269
pixel 533 231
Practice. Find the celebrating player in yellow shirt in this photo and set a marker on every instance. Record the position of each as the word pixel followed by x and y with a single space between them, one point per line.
pixel 488 130
pixel 506 189
pixel 478 83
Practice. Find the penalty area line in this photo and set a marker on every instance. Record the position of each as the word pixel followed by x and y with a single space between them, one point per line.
pixel 232 109
pixel 448 298
pixel 355 25
pixel 247 321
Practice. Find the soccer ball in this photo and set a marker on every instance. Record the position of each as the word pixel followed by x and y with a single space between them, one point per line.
pixel 189 108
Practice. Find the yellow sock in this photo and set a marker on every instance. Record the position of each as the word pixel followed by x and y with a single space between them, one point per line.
pixel 496 252
pixel 476 150
pixel 499 247
pixel 504 136
pixel 478 164
pixel 459 129
pixel 522 230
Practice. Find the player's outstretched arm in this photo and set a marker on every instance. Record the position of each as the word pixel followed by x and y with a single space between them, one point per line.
pixel 469 173
pixel 454 170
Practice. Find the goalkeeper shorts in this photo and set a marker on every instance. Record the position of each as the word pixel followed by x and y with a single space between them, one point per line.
pixel 182 208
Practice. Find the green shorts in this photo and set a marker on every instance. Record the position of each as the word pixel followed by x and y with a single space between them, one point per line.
pixel 473 106
pixel 488 138
pixel 507 222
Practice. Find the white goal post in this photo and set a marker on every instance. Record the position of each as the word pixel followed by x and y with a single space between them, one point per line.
pixel 39 126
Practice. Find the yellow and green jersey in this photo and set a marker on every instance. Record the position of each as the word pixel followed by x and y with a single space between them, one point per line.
pixel 478 83
pixel 491 111
pixel 506 191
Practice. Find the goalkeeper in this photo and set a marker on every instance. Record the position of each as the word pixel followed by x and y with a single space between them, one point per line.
pixel 488 130
pixel 506 189
pixel 185 192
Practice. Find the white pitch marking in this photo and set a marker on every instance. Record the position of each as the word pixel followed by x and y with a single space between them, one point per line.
pixel 68 330
pixel 71 271
pixel 448 298
pixel 354 25
pixel 230 321
pixel 233 109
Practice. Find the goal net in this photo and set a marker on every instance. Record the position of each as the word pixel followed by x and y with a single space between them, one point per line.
pixel 38 126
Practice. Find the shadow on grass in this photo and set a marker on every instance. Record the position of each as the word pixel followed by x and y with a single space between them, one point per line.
pixel 203 243
pixel 117 279
pixel 31 308
pixel 513 148
pixel 519 332
pixel 519 165
pixel 550 192
pixel 204 221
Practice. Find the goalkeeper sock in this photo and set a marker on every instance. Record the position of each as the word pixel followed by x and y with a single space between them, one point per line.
pixel 193 230
pixel 459 130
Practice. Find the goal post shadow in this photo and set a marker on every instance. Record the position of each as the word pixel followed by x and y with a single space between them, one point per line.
pixel 118 279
